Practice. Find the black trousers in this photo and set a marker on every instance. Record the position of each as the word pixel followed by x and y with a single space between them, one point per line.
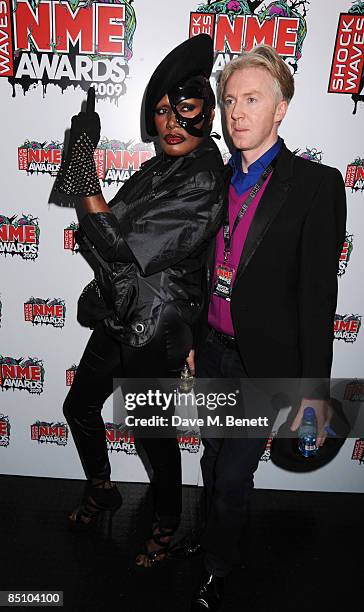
pixel 228 467
pixel 105 359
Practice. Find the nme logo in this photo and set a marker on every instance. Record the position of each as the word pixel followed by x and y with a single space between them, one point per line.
pixel 22 374
pixel 346 75
pixel 19 236
pixel 47 312
pixel 189 441
pixel 346 327
pixel 354 391
pixel 72 42
pixel 358 451
pixel 355 175
pixel 69 240
pixel 345 254
pixel 70 374
pixel 39 157
pixel 117 161
pixel 241 25
pixel 119 438
pixel 4 430
pixel 54 433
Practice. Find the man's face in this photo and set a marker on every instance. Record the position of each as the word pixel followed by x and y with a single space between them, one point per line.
pixel 253 108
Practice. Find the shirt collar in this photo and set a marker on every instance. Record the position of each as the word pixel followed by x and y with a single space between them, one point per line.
pixel 243 181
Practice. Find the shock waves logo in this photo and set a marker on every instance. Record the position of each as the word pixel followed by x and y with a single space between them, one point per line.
pixel 235 25
pixel 54 433
pixel 40 157
pixel 70 374
pixel 345 254
pixel 355 175
pixel 69 240
pixel 346 327
pixel 4 430
pixel 72 42
pixel 188 441
pixel 19 236
pixel 347 75
pixel 354 391
pixel 119 438
pixel 358 451
pixel 45 312
pixel 23 374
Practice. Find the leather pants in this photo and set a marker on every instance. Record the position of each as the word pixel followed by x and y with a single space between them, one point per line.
pixel 105 359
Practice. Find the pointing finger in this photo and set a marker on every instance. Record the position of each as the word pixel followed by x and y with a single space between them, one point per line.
pixel 90 105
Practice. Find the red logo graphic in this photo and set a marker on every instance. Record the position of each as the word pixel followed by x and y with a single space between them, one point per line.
pixel 19 236
pixel 45 312
pixel 345 254
pixel 70 374
pixel 355 175
pixel 189 441
pixel 69 240
pixel 40 157
pixel 23 374
pixel 54 433
pixel 4 430
pixel 241 24
pixel 346 75
pixel 354 391
pixel 119 438
pixel 346 327
pixel 117 161
pixel 358 451
pixel 72 42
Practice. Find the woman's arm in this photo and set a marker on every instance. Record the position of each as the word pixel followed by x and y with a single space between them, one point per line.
pixel 95 204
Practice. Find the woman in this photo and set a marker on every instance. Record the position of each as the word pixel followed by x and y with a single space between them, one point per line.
pixel 154 236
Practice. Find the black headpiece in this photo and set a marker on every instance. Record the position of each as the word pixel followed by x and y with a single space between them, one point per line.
pixel 183 74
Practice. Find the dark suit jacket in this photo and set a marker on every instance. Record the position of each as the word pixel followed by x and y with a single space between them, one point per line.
pixel 285 292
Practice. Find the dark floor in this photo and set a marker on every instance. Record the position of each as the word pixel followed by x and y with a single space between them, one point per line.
pixel 306 551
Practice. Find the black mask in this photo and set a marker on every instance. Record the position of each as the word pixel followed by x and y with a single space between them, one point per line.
pixel 194 87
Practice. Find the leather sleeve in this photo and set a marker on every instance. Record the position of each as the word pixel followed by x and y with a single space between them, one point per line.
pixel 169 228
pixel 103 230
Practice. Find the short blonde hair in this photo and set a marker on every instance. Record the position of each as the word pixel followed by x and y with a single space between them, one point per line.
pixel 261 56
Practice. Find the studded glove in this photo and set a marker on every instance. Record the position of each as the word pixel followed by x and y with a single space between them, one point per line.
pixel 77 174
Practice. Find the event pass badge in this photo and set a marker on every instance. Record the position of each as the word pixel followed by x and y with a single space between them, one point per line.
pixel 223 281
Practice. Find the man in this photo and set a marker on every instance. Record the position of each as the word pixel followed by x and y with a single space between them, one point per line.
pixel 274 268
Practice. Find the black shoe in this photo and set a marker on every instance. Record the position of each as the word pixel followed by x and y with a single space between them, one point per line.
pixel 209 595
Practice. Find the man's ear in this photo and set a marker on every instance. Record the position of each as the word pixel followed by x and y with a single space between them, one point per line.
pixel 281 110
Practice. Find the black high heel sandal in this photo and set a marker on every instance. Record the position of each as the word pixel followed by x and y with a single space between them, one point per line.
pixel 97 499
pixel 159 554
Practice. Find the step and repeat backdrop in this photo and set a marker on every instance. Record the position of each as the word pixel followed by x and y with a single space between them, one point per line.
pixel 51 51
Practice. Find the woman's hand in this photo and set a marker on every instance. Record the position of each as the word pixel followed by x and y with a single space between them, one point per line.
pixel 77 175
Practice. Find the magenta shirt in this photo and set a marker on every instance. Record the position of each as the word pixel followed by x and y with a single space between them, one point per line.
pixel 219 316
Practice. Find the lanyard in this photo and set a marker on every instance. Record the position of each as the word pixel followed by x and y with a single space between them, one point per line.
pixel 247 202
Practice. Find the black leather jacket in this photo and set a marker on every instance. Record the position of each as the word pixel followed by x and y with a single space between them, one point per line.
pixel 166 214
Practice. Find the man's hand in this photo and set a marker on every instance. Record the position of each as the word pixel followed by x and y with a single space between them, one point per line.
pixel 191 361
pixel 323 410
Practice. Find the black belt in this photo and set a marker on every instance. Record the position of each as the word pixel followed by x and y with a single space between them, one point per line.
pixel 228 341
